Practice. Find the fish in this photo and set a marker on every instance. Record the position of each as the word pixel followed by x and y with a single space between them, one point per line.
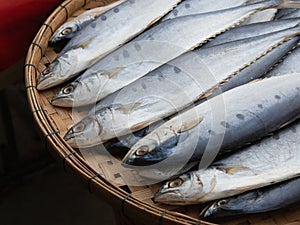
pixel 262 200
pixel 82 91
pixel 288 65
pixel 105 34
pixel 271 160
pixel 251 30
pixel 179 84
pixel 70 28
pixel 139 57
pixel 221 124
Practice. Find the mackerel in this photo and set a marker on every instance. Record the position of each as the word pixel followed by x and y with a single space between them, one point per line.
pixel 179 84
pixel 69 29
pixel 266 199
pixel 223 123
pixel 83 90
pixel 188 7
pixel 105 34
pixel 272 160
pixel 140 56
pixel 252 30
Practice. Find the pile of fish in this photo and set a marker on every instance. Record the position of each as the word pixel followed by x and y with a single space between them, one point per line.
pixel 202 93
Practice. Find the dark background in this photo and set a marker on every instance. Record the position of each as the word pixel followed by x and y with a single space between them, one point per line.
pixel 34 189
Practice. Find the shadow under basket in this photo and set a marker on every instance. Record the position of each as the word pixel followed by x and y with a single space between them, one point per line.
pixel 102 175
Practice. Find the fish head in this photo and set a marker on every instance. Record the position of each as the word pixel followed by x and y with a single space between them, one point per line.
pixel 65 97
pixel 190 188
pixel 180 191
pixel 87 89
pixel 231 206
pixel 153 149
pixel 55 74
pixel 174 142
pixel 85 133
pixel 66 31
pixel 215 210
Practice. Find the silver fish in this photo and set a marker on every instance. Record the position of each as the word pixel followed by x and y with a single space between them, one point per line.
pixel 105 34
pixel 223 123
pixel 251 30
pixel 289 65
pixel 270 161
pixel 139 57
pixel 265 199
pixel 174 86
pixel 69 29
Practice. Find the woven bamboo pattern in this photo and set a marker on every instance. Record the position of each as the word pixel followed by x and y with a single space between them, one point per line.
pixel 103 175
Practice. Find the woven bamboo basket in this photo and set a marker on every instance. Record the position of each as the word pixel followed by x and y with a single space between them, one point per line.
pixel 133 204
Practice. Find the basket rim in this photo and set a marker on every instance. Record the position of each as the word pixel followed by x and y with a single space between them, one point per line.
pixel 65 152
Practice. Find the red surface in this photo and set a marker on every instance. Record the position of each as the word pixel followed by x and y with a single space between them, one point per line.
pixel 20 20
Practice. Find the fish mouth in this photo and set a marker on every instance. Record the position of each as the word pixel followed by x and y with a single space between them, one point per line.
pixel 49 77
pixel 62 101
pixel 209 211
pixel 43 81
pixel 162 198
pixel 70 139
pixel 149 159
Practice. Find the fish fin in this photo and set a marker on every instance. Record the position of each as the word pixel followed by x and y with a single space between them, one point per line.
pixel 112 73
pixel 139 126
pixel 127 109
pixel 289 4
pixel 85 43
pixel 190 124
pixel 232 169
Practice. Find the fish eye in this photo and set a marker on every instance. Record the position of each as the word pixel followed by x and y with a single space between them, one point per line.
pixel 222 202
pixel 66 31
pixel 176 183
pixel 68 89
pixel 142 151
pixel 79 127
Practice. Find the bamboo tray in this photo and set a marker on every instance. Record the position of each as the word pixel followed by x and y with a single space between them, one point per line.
pixel 102 174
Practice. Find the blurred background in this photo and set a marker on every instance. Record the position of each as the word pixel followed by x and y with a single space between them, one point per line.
pixel 34 189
